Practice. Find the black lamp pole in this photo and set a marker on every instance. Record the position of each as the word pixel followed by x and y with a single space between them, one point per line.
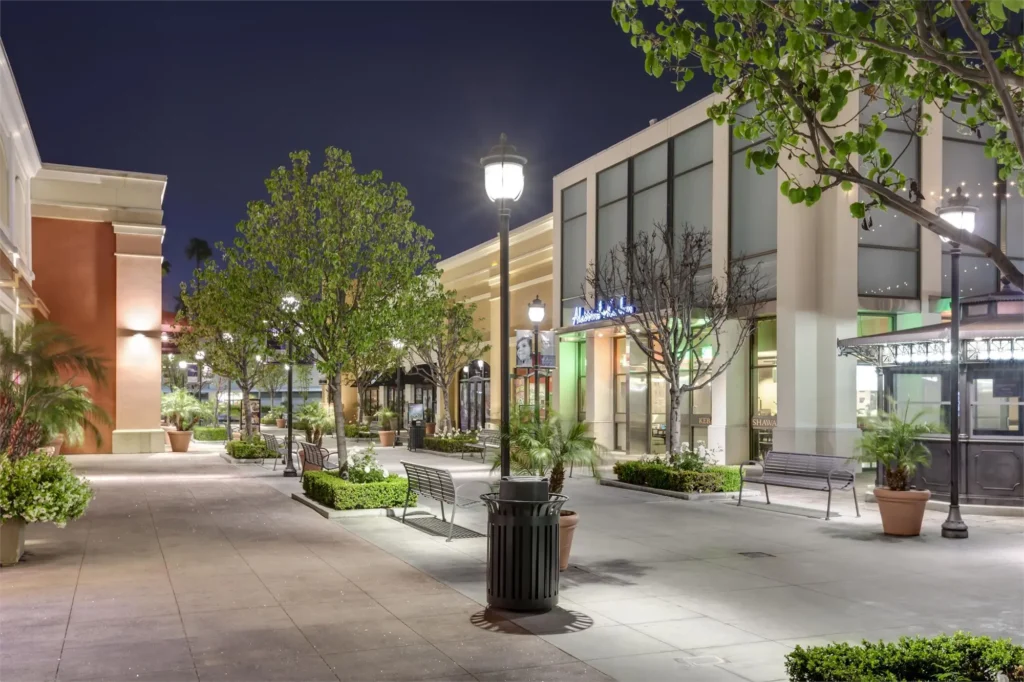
pixel 954 526
pixel 398 398
pixel 504 214
pixel 289 467
pixel 536 372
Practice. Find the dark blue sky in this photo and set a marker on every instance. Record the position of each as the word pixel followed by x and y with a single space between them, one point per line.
pixel 214 95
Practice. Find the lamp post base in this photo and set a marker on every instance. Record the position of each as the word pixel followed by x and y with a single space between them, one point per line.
pixel 954 527
pixel 290 473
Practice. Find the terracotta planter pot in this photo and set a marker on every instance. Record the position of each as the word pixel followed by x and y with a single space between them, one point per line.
pixel 281 423
pixel 902 510
pixel 430 427
pixel 57 443
pixel 566 527
pixel 387 438
pixel 179 440
pixel 12 541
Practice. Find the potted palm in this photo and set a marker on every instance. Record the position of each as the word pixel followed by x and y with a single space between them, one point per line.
pixel 895 444
pixel 182 410
pixel 546 448
pixel 429 424
pixel 279 417
pixel 315 421
pixel 388 419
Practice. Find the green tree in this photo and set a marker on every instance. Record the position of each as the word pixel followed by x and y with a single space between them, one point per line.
pixel 198 250
pixel 304 380
pixel 165 267
pixel 174 376
pixel 225 318
pixel 800 62
pixel 345 246
pixel 273 380
pixel 445 340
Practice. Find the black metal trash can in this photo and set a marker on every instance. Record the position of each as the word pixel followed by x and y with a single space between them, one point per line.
pixel 417 431
pixel 522 546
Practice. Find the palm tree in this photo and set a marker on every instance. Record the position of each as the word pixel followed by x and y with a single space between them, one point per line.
pixel 165 267
pixel 38 400
pixel 199 250
pixel 547 447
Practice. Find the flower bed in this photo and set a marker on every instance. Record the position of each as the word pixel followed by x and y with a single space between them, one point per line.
pixel 329 489
pixel 210 433
pixel 655 474
pixel 251 449
pixel 958 657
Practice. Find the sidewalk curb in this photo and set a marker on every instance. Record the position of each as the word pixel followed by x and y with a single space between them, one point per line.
pixel 231 460
pixel 329 513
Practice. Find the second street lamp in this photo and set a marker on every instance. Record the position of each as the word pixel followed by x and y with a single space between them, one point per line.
pixel 959 213
pixel 504 182
pixel 289 304
pixel 398 345
pixel 536 313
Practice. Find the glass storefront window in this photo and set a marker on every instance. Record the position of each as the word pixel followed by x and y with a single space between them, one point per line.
pixel 920 395
pixel 474 395
pixel 997 402
pixel 574 247
pixel 763 386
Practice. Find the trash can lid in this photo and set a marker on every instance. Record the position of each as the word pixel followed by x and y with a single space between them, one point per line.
pixel 528 488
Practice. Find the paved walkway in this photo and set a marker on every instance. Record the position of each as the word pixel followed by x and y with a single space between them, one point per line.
pixel 188 568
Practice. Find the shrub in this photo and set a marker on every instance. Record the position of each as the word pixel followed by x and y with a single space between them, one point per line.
pixel 210 433
pixel 953 658
pixel 315 422
pixel 365 468
pixel 654 474
pixel 439 444
pixel 248 449
pixel 268 420
pixel 181 409
pixel 329 489
pixel 355 431
pixel 41 488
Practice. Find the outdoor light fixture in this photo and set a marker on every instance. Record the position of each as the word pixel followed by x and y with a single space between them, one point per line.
pixel 200 355
pixel 958 212
pixel 164 337
pixel 289 303
pixel 465 370
pixel 397 344
pixel 504 182
pixel 182 364
pixel 259 358
pixel 536 311
pixel 479 365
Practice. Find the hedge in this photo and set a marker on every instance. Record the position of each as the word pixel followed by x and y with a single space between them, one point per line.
pixel 714 479
pixel 329 489
pixel 951 658
pixel 356 431
pixel 241 449
pixel 439 444
pixel 210 433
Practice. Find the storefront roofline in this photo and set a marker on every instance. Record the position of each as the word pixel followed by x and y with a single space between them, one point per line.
pixel 987 327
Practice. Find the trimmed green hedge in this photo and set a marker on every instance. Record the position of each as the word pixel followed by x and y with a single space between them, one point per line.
pixel 329 489
pixel 456 444
pixel 241 449
pixel 356 431
pixel 714 479
pixel 951 658
pixel 210 433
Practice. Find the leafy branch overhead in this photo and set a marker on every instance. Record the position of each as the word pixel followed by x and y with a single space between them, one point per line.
pixel 820 82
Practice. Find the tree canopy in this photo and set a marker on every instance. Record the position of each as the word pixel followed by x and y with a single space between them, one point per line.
pixel 799 63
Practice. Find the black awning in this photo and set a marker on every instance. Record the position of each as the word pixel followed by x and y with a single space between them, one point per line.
pixel 416 375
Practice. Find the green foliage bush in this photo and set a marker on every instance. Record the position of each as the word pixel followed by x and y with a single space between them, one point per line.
pixel 952 658
pixel 329 489
pixel 653 474
pixel 248 449
pixel 365 468
pixel 210 433
pixel 454 443
pixel 356 431
pixel 41 488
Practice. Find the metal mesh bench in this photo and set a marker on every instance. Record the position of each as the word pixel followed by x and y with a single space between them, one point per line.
pixel 488 439
pixel 275 446
pixel 805 471
pixel 438 485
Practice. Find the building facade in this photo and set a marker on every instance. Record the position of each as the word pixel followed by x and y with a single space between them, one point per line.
pixel 829 279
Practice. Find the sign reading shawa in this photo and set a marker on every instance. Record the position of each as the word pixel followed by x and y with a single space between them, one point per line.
pixel 603 311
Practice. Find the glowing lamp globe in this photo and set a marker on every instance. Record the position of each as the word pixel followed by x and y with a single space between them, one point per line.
pixel 958 212
pixel 536 310
pixel 503 172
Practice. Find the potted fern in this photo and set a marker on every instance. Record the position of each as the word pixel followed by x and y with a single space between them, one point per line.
pixel 894 443
pixel 183 411
pixel 388 420
pixel 548 448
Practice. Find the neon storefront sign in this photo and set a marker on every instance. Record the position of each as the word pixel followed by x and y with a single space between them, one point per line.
pixel 605 310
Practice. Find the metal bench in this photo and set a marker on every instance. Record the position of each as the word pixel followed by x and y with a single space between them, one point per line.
pixel 437 484
pixel 488 439
pixel 315 457
pixel 805 471
pixel 275 446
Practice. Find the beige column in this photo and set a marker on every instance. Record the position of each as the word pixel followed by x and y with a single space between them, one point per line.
pixel 601 387
pixel 136 374
pixel 494 417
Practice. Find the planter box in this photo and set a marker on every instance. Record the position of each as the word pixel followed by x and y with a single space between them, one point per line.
pixel 692 497
pixel 329 513
pixel 232 460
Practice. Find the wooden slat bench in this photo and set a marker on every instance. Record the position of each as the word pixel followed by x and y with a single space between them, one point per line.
pixel 437 484
pixel 805 471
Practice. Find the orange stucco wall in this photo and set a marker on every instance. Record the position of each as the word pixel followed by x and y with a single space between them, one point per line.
pixel 76 276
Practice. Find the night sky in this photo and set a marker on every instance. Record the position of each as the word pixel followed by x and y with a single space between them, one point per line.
pixel 214 95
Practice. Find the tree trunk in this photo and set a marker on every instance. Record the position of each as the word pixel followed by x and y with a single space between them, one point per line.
pixel 672 433
pixel 446 423
pixel 339 423
pixel 216 404
pixel 556 479
pixel 246 414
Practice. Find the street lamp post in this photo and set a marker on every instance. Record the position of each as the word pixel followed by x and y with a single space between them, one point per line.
pixel 398 344
pixel 504 182
pixel 229 338
pixel 289 304
pixel 200 356
pixel 960 214
pixel 536 313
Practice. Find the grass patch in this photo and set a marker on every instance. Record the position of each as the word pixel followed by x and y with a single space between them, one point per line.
pixel 330 490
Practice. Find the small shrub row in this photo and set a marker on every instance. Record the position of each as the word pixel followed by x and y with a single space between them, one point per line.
pixel 210 433
pixel 953 658
pixel 356 431
pixel 456 443
pixel 714 479
pixel 247 449
pixel 329 489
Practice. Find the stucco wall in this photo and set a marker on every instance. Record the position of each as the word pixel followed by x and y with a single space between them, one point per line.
pixel 76 275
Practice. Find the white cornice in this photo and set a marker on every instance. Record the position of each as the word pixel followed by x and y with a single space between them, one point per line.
pixel 140 230
pixel 14 120
pixel 521 233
